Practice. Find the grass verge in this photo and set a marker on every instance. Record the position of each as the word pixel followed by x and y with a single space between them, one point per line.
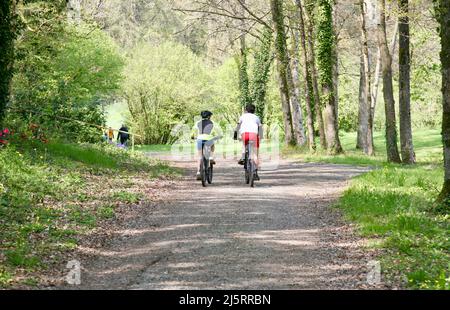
pixel 53 194
pixel 395 205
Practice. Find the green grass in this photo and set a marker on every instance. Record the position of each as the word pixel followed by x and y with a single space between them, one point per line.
pixel 395 205
pixel 106 212
pixel 5 278
pixel 162 170
pixel 83 154
pixel 44 198
pixel 427 144
pixel 154 148
pixel 126 197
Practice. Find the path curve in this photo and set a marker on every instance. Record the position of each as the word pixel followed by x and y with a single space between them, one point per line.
pixel 282 234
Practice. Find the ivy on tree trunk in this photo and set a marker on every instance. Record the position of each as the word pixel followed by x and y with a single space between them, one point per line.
pixel 7 36
pixel 443 15
pixel 326 59
pixel 261 73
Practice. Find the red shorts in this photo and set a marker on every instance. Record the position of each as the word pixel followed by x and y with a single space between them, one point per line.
pixel 250 136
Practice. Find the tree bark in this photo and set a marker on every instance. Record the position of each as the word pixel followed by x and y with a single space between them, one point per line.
pixel 294 86
pixel 307 78
pixel 406 141
pixel 443 13
pixel 283 68
pixel 7 36
pixel 74 11
pixel 314 75
pixel 378 70
pixel 327 61
pixel 243 66
pixel 366 126
pixel 388 91
pixel 363 118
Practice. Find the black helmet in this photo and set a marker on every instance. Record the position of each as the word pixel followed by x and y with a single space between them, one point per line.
pixel 206 114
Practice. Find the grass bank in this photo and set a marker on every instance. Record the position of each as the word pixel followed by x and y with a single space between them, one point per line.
pixel 393 205
pixel 53 194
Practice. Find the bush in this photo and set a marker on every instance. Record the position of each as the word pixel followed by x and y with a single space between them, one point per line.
pixel 63 71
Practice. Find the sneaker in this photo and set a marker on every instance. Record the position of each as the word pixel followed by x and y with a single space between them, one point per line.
pixel 199 177
pixel 241 161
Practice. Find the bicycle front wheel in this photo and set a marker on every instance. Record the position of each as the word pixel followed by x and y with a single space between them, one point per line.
pixel 210 174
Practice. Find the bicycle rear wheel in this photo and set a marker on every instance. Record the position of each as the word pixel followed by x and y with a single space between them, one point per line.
pixel 246 166
pixel 203 172
pixel 251 172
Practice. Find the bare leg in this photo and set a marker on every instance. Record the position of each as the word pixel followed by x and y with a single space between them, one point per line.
pixel 213 148
pixel 199 160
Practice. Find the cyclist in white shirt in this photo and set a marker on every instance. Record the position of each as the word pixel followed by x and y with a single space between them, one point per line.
pixel 249 129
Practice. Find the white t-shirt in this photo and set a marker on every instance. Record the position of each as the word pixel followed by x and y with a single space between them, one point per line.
pixel 249 123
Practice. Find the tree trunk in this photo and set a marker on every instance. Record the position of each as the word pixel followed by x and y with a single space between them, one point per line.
pixel 74 11
pixel 443 13
pixel 378 69
pixel 7 36
pixel 309 21
pixel 294 86
pixel 307 78
pixel 367 124
pixel 283 68
pixel 327 59
pixel 388 91
pixel 261 74
pixel 335 54
pixel 406 142
pixel 243 67
pixel 363 117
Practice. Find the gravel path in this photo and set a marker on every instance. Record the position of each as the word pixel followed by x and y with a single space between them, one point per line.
pixel 282 234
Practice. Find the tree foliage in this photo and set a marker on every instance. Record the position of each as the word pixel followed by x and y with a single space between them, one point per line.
pixel 50 82
pixel 165 85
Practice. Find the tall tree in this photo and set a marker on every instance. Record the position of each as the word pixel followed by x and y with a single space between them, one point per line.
pixel 388 90
pixel 308 10
pixel 327 59
pixel 7 36
pixel 406 142
pixel 376 82
pixel 443 14
pixel 244 95
pixel 261 73
pixel 365 120
pixel 283 68
pixel 306 75
pixel 294 85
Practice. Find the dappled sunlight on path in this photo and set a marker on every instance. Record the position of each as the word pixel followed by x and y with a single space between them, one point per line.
pixel 282 234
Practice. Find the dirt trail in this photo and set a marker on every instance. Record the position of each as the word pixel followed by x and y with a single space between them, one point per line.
pixel 282 234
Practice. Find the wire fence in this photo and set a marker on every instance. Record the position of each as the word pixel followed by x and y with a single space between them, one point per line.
pixel 103 128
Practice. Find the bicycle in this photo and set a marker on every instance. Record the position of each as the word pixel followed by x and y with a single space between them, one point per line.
pixel 206 167
pixel 249 164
